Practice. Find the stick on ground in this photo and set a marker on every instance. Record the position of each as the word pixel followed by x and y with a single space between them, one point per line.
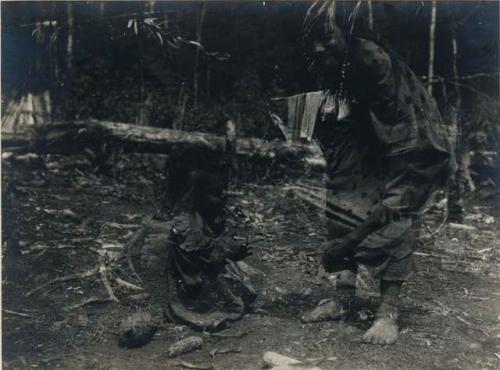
pixel 107 285
pixel 78 275
pixel 88 301
pixel 131 244
pixel 16 313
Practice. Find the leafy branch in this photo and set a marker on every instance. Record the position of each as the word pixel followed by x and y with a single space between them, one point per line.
pixel 153 27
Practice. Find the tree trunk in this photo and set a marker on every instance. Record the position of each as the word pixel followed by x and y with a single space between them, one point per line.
pixel 181 109
pixel 199 29
pixel 145 110
pixel 370 14
pixel 462 182
pixel 230 150
pixel 464 178
pixel 151 6
pixel 207 87
pixel 432 38
pixel 69 56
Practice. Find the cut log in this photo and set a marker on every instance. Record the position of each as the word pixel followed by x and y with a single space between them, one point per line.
pixel 75 137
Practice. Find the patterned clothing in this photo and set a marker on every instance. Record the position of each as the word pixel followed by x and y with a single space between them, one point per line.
pixel 391 151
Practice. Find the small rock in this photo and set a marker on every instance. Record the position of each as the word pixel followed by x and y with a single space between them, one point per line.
pixel 273 360
pixel 185 345
pixel 326 310
pixel 136 330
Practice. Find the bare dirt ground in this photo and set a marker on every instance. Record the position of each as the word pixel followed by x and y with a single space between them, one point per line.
pixel 60 224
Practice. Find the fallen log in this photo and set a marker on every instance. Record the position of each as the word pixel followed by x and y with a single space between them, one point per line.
pixel 76 137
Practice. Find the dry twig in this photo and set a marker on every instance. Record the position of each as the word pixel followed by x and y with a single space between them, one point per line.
pixel 188 365
pixel 15 313
pixel 127 285
pixel 88 301
pixel 228 335
pixel 137 238
pixel 107 285
pixel 78 275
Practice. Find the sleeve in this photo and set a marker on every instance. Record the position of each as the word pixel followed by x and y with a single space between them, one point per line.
pixel 227 247
pixel 195 244
pixel 389 100
pixel 392 117
pixel 187 237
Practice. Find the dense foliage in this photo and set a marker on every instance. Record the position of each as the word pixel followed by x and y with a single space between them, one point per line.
pixel 140 61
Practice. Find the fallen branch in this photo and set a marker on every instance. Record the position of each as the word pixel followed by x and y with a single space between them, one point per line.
pixel 127 285
pixel 425 255
pixel 455 226
pixel 131 244
pixel 224 351
pixel 75 137
pixel 16 313
pixel 464 321
pixel 78 275
pixel 315 198
pixel 107 285
pixel 458 78
pixel 439 229
pixel 119 226
pixel 222 335
pixel 188 365
pixel 102 270
pixel 87 302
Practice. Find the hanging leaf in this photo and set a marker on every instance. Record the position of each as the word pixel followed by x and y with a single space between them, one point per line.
pixel 49 23
pixel 136 31
pixel 130 21
pixel 219 56
pixel 160 37
pixel 53 37
pixel 197 44
pixel 173 44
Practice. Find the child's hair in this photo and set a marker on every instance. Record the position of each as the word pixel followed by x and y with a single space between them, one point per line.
pixel 190 169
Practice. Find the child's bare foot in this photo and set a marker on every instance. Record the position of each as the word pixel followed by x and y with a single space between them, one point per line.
pixel 383 331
